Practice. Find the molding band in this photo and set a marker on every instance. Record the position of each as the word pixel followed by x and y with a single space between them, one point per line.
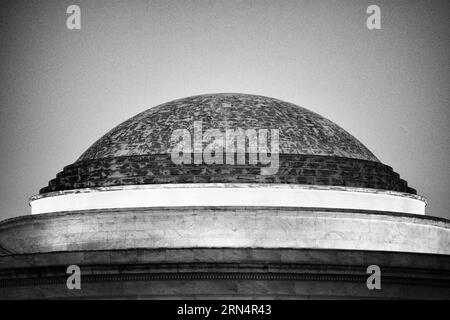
pixel 226 195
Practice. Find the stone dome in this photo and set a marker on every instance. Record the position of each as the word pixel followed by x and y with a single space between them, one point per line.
pixel 301 131
pixel 312 149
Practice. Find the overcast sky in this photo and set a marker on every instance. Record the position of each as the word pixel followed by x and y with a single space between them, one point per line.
pixel 63 89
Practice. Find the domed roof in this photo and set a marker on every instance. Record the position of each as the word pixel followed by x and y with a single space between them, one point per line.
pixel 312 150
pixel 301 131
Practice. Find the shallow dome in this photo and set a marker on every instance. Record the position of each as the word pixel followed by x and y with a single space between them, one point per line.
pixel 312 149
pixel 301 131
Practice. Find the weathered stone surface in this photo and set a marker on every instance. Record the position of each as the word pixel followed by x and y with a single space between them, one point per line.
pixel 222 273
pixel 294 169
pixel 244 227
pixel 301 131
pixel 312 149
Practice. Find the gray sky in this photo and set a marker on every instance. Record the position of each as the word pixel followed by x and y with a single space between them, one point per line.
pixel 61 90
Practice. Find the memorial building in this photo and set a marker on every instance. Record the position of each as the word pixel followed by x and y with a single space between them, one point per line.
pixel 226 196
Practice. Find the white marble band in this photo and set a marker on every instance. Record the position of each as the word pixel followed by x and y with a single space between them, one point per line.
pixel 261 195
